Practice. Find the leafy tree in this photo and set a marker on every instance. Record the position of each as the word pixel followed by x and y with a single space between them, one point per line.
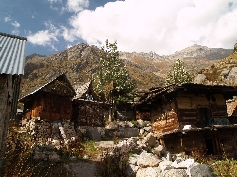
pixel 178 74
pixel 112 81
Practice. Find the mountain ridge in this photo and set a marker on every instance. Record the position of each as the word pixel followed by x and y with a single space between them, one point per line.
pixel 81 61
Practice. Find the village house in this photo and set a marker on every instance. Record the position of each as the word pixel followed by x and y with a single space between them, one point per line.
pixel 12 62
pixel 88 109
pixel 192 118
pixel 51 102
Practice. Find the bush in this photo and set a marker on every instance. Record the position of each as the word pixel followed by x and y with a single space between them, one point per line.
pixel 19 161
pixel 113 165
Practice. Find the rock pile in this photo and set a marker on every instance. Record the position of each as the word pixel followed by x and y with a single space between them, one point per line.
pixel 46 153
pixel 158 162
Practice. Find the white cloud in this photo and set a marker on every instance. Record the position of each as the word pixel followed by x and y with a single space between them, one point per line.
pixel 15 31
pixel 16 24
pixel 46 37
pixel 156 25
pixel 7 19
pixel 55 1
pixel 76 5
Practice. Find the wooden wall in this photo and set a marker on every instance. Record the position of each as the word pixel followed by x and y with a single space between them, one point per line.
pixel 49 107
pixel 203 142
pixel 187 109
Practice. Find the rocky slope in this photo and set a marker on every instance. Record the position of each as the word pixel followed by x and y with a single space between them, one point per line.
pixel 81 61
pixel 222 72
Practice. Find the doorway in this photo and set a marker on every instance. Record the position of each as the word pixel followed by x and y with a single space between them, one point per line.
pixel 209 146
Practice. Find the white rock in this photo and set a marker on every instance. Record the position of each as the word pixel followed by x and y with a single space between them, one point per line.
pixel 148 172
pixel 165 165
pixel 187 127
pixel 180 163
pixel 147 160
pixel 133 159
pixel 159 150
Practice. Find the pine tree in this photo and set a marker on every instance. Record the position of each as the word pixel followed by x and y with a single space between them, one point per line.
pixel 178 74
pixel 112 81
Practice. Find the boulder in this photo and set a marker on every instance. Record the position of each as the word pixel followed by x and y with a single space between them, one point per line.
pixel 148 172
pixel 133 159
pixel 129 132
pixel 181 163
pixel 147 160
pixel 174 173
pixel 127 145
pixel 148 129
pixel 112 125
pixel 94 134
pixel 159 150
pixel 165 165
pixel 200 170
pixel 139 123
pixel 150 140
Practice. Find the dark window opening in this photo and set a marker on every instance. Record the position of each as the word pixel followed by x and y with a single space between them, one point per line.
pixel 203 116
pixel 209 146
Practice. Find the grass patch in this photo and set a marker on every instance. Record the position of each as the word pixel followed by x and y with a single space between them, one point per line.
pixel 90 149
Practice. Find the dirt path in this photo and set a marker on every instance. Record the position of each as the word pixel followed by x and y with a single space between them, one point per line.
pixel 87 168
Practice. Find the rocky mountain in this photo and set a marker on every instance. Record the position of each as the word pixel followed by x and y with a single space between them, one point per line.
pixel 81 61
pixel 222 72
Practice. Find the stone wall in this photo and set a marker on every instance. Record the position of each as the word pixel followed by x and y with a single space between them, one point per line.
pixel 88 113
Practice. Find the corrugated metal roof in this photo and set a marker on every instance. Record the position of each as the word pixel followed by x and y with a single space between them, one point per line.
pixel 12 54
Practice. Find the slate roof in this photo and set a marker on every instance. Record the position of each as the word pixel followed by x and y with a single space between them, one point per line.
pixel 43 86
pixel 12 54
pixel 161 92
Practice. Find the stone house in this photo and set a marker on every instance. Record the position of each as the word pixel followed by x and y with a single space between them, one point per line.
pixel 88 109
pixel 51 102
pixel 12 62
pixel 192 118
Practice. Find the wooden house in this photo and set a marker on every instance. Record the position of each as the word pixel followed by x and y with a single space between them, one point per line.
pixel 192 117
pixel 51 102
pixel 12 62
pixel 88 110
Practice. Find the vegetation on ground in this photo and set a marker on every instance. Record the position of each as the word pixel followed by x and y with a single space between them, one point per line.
pixel 19 157
pixel 222 166
pixel 113 164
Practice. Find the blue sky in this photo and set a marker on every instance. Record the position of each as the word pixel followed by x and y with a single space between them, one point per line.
pixel 161 26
